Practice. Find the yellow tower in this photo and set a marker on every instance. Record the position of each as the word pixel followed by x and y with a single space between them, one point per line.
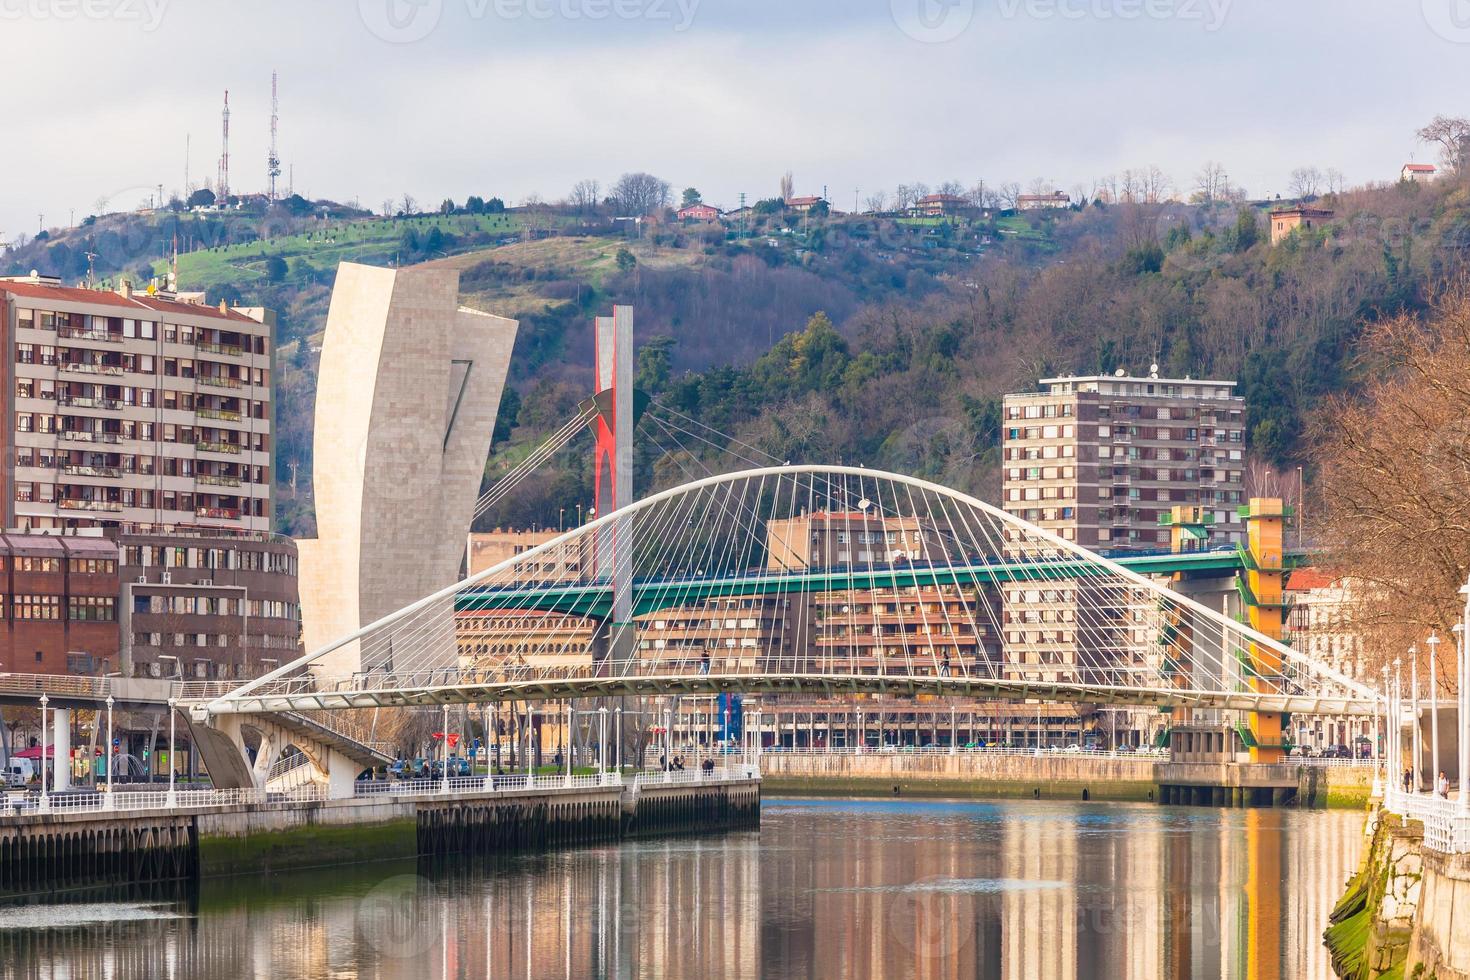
pixel 1262 591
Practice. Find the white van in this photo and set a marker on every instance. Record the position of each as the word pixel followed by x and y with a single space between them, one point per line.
pixel 19 772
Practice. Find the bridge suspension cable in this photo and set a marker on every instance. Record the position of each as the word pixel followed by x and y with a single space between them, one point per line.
pixel 816 579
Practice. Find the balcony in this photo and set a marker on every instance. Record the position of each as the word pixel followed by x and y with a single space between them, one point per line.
pixel 229 350
pixel 229 448
pixel 83 368
pixel 108 506
pixel 110 404
pixel 209 479
pixel 82 333
pixel 82 435
pixel 219 381
pixel 217 413
pixel 104 472
pixel 218 513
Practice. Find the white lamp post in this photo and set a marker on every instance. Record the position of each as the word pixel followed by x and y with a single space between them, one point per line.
pixel 952 747
pixel 1434 711
pixel 173 704
pixel 444 751
pixel 568 743
pixel 1415 756
pixel 1398 721
pixel 45 800
pixel 601 744
pixel 107 752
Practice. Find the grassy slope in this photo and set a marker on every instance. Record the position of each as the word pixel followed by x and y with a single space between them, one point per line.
pixel 373 241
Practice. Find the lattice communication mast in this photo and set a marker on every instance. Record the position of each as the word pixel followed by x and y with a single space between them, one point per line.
pixel 223 190
pixel 273 162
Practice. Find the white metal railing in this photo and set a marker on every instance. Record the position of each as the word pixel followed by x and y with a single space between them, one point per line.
pixel 932 750
pixel 131 801
pixel 696 776
pixel 479 785
pixel 1446 826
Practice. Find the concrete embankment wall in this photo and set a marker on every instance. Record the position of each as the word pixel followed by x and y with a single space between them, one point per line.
pixel 1441 938
pixel 43 851
pixel 975 775
pixel 1406 913
pixel 1051 776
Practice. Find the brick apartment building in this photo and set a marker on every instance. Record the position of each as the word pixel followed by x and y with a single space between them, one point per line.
pixel 129 408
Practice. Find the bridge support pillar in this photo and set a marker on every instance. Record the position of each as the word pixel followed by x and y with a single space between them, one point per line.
pixel 61 750
pixel 1262 587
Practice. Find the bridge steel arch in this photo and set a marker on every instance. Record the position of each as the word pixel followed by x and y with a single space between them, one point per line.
pixel 293 687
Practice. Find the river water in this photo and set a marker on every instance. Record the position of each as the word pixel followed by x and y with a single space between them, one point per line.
pixel 857 889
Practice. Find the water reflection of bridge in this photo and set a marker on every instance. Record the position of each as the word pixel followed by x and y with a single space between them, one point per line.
pixel 855 890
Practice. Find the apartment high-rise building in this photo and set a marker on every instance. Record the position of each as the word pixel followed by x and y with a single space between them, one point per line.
pixel 1101 460
pixel 125 408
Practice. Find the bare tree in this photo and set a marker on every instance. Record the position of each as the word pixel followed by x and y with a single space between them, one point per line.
pixel 1306 182
pixel 387 208
pixel 977 195
pixel 1452 135
pixel 1212 183
pixel 1336 182
pixel 904 196
pixel 953 188
pixel 1009 194
pixel 585 196
pixel 877 202
pixel 639 194
pixel 788 186
pixel 1395 504
pixel 1040 187
pixel 409 205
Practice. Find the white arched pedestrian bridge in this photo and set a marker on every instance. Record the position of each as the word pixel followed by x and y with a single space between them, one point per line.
pixel 815 579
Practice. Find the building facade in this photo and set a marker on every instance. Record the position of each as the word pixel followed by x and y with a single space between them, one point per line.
pixel 1287 220
pixel 59 605
pixel 125 408
pixel 1319 624
pixel 1101 460
pixel 206 605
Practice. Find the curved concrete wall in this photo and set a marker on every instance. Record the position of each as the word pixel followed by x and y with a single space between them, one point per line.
pixel 409 388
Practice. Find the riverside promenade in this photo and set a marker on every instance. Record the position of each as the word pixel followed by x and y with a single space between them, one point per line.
pixel 137 837
pixel 992 773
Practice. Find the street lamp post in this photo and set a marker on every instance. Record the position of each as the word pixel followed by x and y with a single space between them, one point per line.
pixel 601 744
pixel 1434 710
pixel 1415 756
pixel 444 751
pixel 107 752
pixel 45 800
pixel 568 741
pixel 173 704
pixel 1398 720
pixel 952 734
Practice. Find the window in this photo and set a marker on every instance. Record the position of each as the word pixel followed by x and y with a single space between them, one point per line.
pixel 92 609
pixel 38 607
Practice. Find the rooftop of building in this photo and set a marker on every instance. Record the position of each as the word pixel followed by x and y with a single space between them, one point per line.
pixel 1301 211
pixel 1177 387
pixel 46 288
pixel 1421 168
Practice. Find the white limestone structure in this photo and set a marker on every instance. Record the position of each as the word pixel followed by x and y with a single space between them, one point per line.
pixel 409 387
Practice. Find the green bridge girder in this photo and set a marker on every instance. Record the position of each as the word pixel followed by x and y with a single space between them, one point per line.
pixel 594 599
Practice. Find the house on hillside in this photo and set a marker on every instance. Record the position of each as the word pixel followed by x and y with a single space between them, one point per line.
pixel 1418 173
pixel 698 211
pixel 940 206
pixel 801 205
pixel 1284 221
pixel 737 215
pixel 1043 202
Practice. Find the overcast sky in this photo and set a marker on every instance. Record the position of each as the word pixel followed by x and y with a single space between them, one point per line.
pixel 446 98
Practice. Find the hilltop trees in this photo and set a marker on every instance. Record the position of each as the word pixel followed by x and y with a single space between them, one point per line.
pixel 639 194
pixel 1452 135
pixel 1395 478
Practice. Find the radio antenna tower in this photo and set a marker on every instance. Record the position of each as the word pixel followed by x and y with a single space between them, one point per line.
pixel 223 190
pixel 273 162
